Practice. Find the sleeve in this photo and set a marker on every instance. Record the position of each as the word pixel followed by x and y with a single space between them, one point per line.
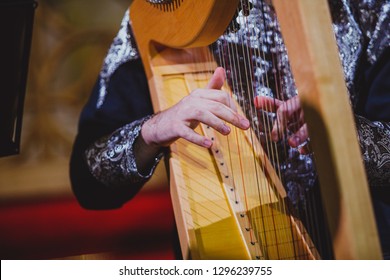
pixel 108 126
pixel 111 159
pixel 374 139
pixel 373 108
pixel 373 121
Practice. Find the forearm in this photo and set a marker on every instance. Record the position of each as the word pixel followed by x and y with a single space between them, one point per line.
pixel 374 139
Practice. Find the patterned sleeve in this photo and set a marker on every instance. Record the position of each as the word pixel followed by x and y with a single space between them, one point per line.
pixel 111 159
pixel 374 126
pixel 374 138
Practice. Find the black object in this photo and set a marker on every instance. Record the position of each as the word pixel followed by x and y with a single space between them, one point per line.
pixel 16 22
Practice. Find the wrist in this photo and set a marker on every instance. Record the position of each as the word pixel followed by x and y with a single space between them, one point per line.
pixel 146 136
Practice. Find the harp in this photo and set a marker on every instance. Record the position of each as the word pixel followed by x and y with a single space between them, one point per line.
pixel 219 214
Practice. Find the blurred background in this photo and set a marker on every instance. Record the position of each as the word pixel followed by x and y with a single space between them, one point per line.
pixel 39 217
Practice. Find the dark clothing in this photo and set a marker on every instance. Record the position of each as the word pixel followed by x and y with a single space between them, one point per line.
pixel 128 101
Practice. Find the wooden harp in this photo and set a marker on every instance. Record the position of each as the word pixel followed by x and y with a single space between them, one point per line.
pixel 219 214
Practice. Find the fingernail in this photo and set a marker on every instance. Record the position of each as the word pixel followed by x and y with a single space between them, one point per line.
pixel 244 123
pixel 225 129
pixel 207 143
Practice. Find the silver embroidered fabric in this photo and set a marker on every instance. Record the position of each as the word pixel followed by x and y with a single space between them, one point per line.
pixel 122 49
pixel 375 144
pixel 357 24
pixel 370 27
pixel 111 159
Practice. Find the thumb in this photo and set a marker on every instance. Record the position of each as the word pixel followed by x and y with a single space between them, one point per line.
pixel 218 79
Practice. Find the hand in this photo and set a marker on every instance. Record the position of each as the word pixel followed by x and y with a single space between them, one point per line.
pixel 289 117
pixel 210 106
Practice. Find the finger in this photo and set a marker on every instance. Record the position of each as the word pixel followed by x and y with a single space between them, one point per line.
pixel 215 114
pixel 215 95
pixel 288 113
pixel 299 138
pixel 232 117
pixel 216 82
pixel 267 103
pixel 279 127
pixel 190 135
pixel 218 79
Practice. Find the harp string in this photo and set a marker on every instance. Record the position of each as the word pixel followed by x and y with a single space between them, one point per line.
pixel 247 104
pixel 233 141
pixel 237 59
pixel 237 76
pixel 245 99
pixel 229 63
pixel 288 127
pixel 247 88
pixel 309 212
pixel 272 149
pixel 227 60
pixel 277 94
